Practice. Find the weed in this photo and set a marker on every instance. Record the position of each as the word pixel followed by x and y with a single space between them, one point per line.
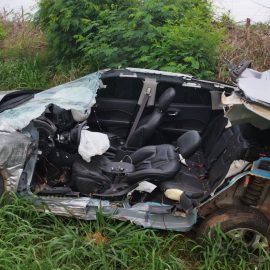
pixel 37 240
pixel 33 240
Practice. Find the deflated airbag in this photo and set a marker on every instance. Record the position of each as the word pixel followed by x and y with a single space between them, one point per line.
pixel 92 144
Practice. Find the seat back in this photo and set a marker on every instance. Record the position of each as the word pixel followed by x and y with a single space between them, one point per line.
pixel 188 143
pixel 220 145
pixel 154 163
pixel 232 147
pixel 149 123
pixel 212 133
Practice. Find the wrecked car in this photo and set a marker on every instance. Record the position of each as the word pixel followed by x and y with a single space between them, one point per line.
pixel 162 150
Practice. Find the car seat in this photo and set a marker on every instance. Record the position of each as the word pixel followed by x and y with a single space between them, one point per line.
pixel 191 185
pixel 148 124
pixel 150 163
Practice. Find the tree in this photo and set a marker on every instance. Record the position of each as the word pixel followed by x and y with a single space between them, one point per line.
pixel 161 34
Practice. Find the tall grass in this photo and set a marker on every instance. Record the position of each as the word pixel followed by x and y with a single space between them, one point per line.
pixel 25 61
pixel 36 240
pixel 32 240
pixel 36 72
pixel 250 42
pixel 28 72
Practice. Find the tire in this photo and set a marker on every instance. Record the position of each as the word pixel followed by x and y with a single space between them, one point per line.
pixel 245 222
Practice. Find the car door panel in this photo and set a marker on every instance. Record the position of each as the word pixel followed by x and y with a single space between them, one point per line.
pixel 116 105
pixel 188 116
pixel 191 110
pixel 181 118
pixel 116 110
pixel 114 115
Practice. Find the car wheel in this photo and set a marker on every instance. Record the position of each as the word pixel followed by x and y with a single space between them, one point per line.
pixel 245 224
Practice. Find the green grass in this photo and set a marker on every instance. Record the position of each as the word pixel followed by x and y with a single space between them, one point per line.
pixel 29 72
pixel 34 240
pixel 37 71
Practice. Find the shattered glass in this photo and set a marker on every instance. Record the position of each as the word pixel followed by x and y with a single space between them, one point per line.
pixel 78 95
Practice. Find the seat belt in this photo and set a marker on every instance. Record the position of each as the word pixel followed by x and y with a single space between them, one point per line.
pixel 145 99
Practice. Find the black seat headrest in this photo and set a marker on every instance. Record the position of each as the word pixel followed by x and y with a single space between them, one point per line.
pixel 166 99
pixel 189 143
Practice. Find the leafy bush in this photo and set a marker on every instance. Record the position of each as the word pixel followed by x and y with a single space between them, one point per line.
pixel 161 34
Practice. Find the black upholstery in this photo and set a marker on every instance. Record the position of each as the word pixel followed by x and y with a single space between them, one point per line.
pixel 152 163
pixel 209 139
pixel 189 143
pixel 166 99
pixel 197 184
pixel 155 163
pixel 148 124
pixel 88 177
pixel 186 182
pixel 212 133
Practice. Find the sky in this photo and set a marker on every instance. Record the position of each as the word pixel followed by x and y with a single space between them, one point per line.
pixel 257 10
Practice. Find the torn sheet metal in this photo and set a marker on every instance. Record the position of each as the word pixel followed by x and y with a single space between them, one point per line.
pixel 71 207
pixel 239 111
pixel 142 214
pixel 148 215
pixel 251 73
pixel 15 149
pixel 255 85
pixel 236 167
pixel 77 95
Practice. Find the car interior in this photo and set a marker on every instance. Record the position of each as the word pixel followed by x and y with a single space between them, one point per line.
pixel 162 130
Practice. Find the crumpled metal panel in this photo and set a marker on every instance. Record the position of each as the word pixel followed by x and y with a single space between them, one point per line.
pixel 74 207
pixel 147 215
pixel 15 148
pixel 239 111
pixel 77 95
pixel 255 85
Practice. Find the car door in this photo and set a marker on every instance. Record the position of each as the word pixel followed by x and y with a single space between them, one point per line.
pixel 116 105
pixel 190 110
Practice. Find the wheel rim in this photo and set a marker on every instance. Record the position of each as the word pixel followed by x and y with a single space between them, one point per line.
pixel 252 238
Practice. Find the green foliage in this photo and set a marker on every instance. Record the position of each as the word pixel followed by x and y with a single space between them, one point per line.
pixel 37 71
pixel 37 240
pixel 2 31
pixel 222 252
pixel 24 72
pixel 33 240
pixel 160 34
